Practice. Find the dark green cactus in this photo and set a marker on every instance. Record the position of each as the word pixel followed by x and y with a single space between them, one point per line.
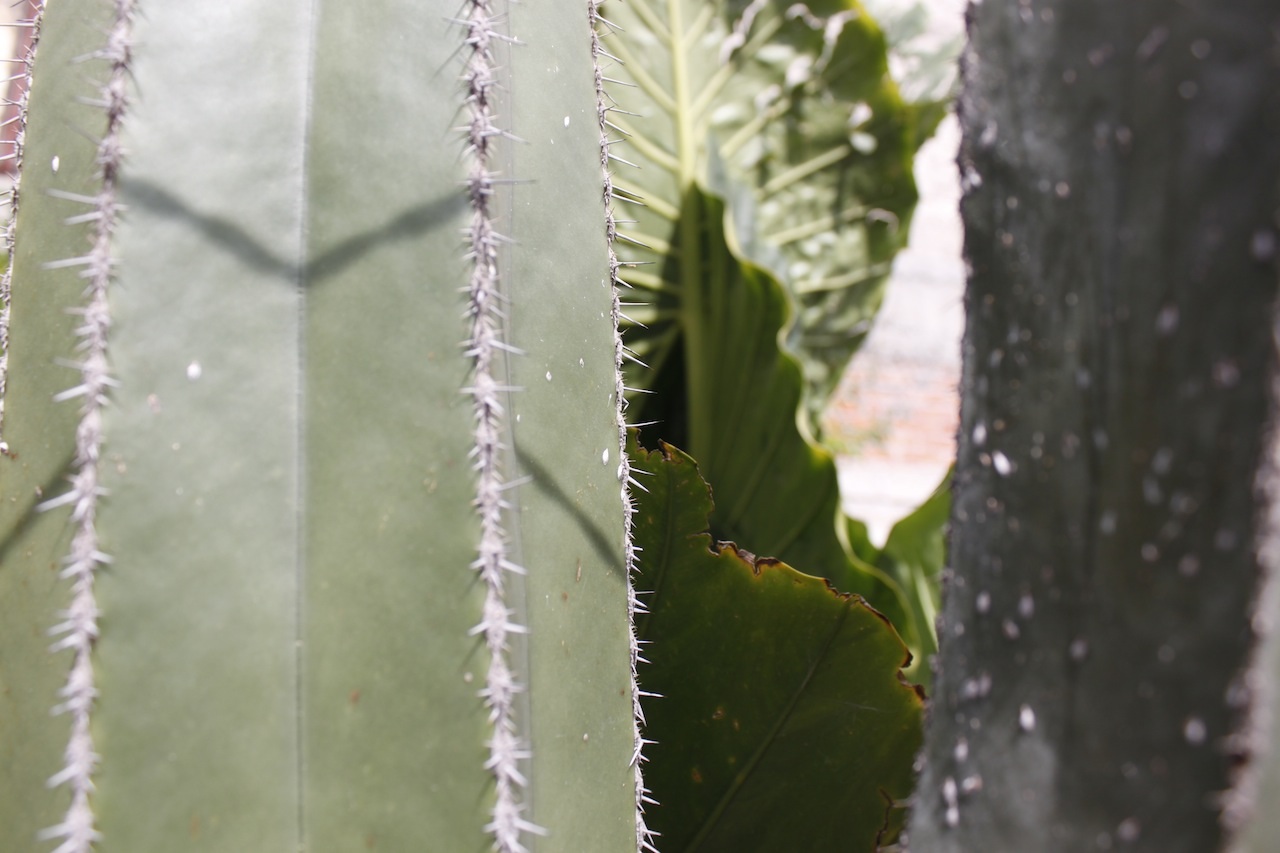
pixel 1118 419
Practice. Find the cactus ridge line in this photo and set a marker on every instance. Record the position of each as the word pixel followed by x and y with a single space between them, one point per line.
pixel 485 348
pixel 644 835
pixel 15 156
pixel 79 629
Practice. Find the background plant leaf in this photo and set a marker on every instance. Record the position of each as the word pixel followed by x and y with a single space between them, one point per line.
pixel 777 491
pixel 913 556
pixel 784 722
pixel 796 101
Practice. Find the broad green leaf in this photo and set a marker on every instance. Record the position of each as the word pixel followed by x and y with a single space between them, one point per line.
pixel 913 556
pixel 782 721
pixel 797 104
pixel 777 491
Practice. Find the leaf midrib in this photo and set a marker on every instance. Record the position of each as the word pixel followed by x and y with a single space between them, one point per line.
pixel 739 781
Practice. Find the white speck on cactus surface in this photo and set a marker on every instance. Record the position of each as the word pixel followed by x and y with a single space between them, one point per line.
pixel 1026 606
pixel 55 163
pixel 1129 830
pixel 1003 465
pixel 604 457
pixel 566 121
pixel 982 603
pixel 1026 719
pixel 548 375
pixel 951 800
pixel 1194 731
pixel 1079 649
pixel 194 371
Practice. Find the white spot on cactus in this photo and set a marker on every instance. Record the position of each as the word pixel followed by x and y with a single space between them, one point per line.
pixel 1026 606
pixel 1189 565
pixel 548 375
pixel 194 371
pixel 1129 830
pixel 1226 373
pixel 979 434
pixel 582 363
pixel 1078 650
pixel 604 457
pixel 961 751
pixel 1194 730
pixel 566 121
pixel 1003 465
pixel 55 163
pixel 982 603
pixel 971 784
pixel 951 800
pixel 1010 629
pixel 1026 719
pixel 1167 319
pixel 1107 523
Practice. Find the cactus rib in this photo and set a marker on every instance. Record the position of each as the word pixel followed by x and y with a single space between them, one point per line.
pixel 484 347
pixel 15 157
pixel 79 628
pixel 644 836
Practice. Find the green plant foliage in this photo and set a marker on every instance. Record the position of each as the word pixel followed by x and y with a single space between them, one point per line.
pixel 913 556
pixel 777 491
pixel 790 107
pixel 782 722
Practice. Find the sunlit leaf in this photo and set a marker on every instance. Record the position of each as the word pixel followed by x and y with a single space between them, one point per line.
pixel 782 722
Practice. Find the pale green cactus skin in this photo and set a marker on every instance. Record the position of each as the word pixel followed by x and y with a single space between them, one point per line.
pixel 286 657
